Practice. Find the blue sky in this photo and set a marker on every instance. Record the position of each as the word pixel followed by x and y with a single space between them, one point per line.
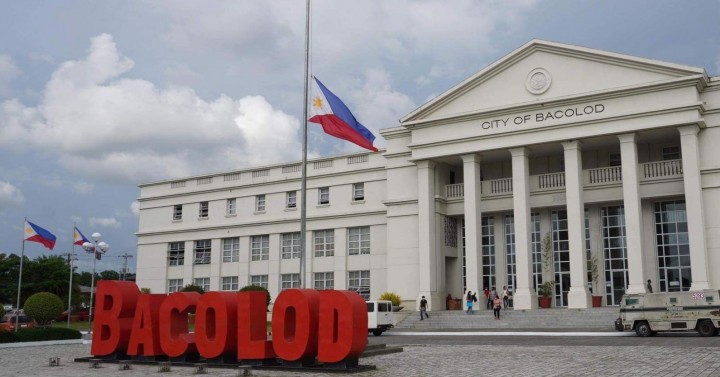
pixel 99 96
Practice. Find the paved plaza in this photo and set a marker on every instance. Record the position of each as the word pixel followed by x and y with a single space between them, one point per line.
pixel 424 360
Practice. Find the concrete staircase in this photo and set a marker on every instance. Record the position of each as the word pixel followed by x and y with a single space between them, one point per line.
pixel 593 319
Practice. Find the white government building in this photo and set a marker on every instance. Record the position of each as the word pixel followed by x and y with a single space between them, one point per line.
pixel 612 156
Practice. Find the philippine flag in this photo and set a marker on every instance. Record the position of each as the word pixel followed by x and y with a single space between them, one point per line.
pixel 35 233
pixel 336 119
pixel 79 238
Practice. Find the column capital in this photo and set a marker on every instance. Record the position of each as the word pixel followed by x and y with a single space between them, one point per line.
pixel 572 144
pixel 426 164
pixel 691 129
pixel 519 151
pixel 471 157
pixel 627 138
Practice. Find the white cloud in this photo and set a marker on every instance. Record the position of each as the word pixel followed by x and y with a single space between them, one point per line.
pixel 105 222
pixel 115 129
pixel 10 195
pixel 8 71
pixel 83 187
pixel 135 208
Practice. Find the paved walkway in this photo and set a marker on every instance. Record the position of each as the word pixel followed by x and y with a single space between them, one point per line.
pixel 420 360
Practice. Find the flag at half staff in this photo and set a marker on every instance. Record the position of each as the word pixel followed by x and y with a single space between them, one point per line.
pixel 79 238
pixel 336 119
pixel 35 233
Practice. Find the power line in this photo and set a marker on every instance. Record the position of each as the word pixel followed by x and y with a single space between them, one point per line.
pixel 124 271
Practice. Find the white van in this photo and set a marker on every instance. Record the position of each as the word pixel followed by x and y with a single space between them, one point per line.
pixel 649 313
pixel 380 316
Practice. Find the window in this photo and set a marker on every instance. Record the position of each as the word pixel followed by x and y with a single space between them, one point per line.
pixel 259 281
pixel 175 285
pixel 259 247
pixel 231 207
pixel 229 283
pixel 290 245
pixel 324 280
pixel 177 212
pixel 614 159
pixel 671 153
pixel 176 253
pixel 324 244
pixel 202 252
pixel 324 195
pixel 260 203
pixel 231 249
pixel 358 191
pixel 204 210
pixel 291 201
pixel 203 283
pixel 359 281
pixel 359 240
pixel 289 281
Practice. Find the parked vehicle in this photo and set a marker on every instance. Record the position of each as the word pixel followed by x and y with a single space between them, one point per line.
pixel 8 321
pixel 380 316
pixel 649 313
pixel 77 314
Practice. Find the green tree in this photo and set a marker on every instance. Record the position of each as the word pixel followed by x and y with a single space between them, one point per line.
pixel 109 275
pixel 257 288
pixel 44 307
pixel 192 288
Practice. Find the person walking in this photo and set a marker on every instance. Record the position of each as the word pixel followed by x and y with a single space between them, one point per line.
pixel 469 302
pixel 497 304
pixel 423 308
pixel 491 297
pixel 486 291
pixel 505 296
pixel 649 286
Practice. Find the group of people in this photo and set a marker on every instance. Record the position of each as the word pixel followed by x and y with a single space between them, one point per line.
pixel 492 299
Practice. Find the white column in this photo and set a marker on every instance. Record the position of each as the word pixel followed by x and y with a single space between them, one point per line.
pixel 633 213
pixel 694 206
pixel 427 275
pixel 578 296
pixel 473 236
pixel 524 297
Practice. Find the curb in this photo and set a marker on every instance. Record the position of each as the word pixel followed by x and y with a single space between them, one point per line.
pixel 508 333
pixel 44 343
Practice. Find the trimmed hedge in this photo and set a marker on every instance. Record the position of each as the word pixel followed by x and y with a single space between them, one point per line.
pixel 39 335
pixel 44 307
pixel 257 289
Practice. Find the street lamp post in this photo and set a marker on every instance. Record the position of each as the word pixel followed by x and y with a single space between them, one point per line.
pixel 97 248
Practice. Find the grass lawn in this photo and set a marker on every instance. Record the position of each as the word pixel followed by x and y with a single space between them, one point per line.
pixel 77 325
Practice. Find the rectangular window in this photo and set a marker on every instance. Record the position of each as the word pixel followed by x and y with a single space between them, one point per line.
pixel 259 281
pixel 358 191
pixel 359 240
pixel 290 245
pixel 359 281
pixel 229 283
pixel 204 209
pixel 203 283
pixel 614 253
pixel 324 195
pixel 260 203
pixel 536 250
pixel 673 247
pixel 614 159
pixel 289 281
pixel 291 199
pixel 175 285
pixel 324 244
pixel 202 252
pixel 488 251
pixel 259 247
pixel 671 153
pixel 176 253
pixel 324 280
pixel 231 207
pixel 177 212
pixel 510 251
pixel 231 249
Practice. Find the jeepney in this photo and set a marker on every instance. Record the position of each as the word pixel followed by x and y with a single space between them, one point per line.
pixel 649 313
pixel 380 316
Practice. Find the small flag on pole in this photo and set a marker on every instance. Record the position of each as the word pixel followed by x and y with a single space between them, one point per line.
pixel 336 119
pixel 79 238
pixel 35 233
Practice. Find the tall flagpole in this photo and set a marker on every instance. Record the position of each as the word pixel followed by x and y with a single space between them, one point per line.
pixel 303 188
pixel 72 258
pixel 22 256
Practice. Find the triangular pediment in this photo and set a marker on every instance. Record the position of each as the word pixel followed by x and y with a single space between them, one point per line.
pixel 542 71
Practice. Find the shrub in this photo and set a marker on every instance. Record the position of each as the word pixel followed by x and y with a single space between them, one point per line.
pixel 392 297
pixel 193 288
pixel 44 307
pixel 258 289
pixel 546 288
pixel 7 336
pixel 50 333
pixel 144 290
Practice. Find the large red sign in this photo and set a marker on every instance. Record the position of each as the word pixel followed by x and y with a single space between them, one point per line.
pixel 328 325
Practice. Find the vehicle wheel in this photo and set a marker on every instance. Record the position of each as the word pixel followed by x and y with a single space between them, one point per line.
pixel 377 332
pixel 706 328
pixel 643 329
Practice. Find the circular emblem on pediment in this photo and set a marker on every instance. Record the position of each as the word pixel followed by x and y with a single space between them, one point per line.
pixel 538 81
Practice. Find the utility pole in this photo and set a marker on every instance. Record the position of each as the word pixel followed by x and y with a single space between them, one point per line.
pixel 124 270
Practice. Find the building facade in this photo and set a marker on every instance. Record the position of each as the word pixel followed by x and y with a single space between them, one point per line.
pixel 551 161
